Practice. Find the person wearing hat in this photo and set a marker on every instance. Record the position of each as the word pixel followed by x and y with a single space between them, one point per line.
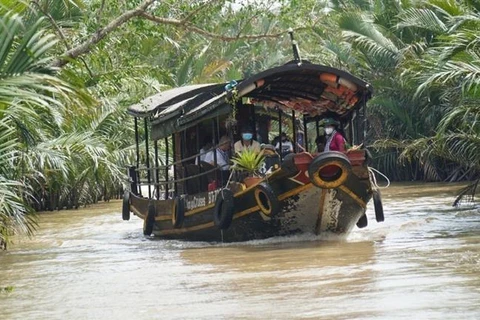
pixel 246 141
pixel 335 141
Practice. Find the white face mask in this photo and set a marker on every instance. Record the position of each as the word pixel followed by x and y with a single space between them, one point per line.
pixel 329 130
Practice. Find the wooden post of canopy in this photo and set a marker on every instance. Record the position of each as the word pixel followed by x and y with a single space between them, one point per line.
pixel 305 132
pixel 351 134
pixel 365 123
pixel 294 135
pixel 166 167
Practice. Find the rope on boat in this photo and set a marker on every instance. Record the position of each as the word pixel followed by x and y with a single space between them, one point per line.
pixel 374 179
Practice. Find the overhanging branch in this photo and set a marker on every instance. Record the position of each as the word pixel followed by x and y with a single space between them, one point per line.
pixel 141 11
pixel 100 34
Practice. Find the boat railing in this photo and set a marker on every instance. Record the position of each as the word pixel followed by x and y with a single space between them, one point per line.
pixel 162 186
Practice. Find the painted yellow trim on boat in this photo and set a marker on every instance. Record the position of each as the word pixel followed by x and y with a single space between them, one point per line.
pixel 353 196
pixel 200 209
pixel 295 191
pixel 246 212
pixel 281 197
pixel 137 213
pixel 209 224
pixel 182 230
pixel 163 218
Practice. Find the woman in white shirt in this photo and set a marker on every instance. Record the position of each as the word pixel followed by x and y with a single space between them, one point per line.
pixel 246 142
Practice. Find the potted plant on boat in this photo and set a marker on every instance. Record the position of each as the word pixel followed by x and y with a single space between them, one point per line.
pixel 250 162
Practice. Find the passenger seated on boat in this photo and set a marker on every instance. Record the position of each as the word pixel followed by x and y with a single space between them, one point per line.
pixel 207 145
pixel 271 156
pixel 268 149
pixel 335 141
pixel 247 141
pixel 287 146
pixel 223 158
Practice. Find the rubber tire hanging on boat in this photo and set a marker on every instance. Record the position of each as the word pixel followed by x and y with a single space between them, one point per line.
pixel 178 214
pixel 377 204
pixel 126 206
pixel 149 219
pixel 325 160
pixel 363 221
pixel 266 199
pixel 223 210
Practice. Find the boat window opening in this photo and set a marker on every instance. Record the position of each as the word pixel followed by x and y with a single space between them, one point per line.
pixel 199 175
pixel 183 143
pixel 166 167
pixel 197 136
pixel 174 159
pixel 216 137
pixel 280 132
pixel 147 156
pixel 157 178
pixel 137 148
pixel 137 152
pixel 253 120
pixel 305 130
pixel 363 119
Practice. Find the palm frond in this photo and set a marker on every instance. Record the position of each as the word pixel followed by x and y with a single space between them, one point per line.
pixel 421 18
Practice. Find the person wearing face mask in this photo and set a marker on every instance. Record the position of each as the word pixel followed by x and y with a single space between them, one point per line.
pixel 335 141
pixel 246 141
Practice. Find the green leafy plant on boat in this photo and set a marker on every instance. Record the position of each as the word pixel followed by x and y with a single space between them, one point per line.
pixel 249 161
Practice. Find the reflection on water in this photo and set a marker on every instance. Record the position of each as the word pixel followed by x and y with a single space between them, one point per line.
pixel 423 262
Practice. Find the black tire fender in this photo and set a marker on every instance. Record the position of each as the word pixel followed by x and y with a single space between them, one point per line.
pixel 363 221
pixel 224 209
pixel 149 219
pixel 266 199
pixel 126 206
pixel 332 161
pixel 178 214
pixel 377 204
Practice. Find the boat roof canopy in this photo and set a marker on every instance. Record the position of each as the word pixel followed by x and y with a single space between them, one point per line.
pixel 309 89
pixel 156 104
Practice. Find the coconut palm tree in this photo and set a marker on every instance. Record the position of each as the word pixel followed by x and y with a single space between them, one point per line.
pixel 31 102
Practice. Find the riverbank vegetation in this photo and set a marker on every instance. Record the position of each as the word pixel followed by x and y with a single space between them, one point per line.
pixel 69 69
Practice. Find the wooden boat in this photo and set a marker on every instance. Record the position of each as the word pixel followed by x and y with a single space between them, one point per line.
pixel 304 192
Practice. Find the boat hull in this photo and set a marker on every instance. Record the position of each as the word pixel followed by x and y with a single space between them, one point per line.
pixel 300 207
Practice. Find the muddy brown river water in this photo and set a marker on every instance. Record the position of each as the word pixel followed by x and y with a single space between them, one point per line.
pixel 423 262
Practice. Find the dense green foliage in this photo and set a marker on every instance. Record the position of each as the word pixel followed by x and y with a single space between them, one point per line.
pixel 69 69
